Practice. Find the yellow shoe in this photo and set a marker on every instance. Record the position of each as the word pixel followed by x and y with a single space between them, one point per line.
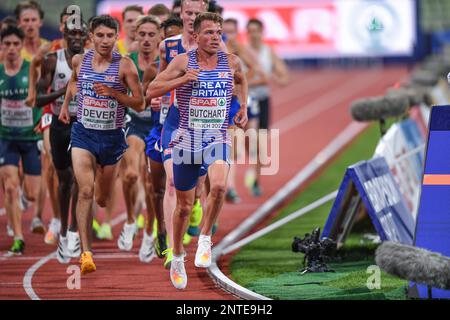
pixel 140 222
pixel 195 219
pixel 95 227
pixel 186 239
pixel 87 263
pixel 155 228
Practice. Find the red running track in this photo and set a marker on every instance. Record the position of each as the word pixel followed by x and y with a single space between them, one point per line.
pixel 309 112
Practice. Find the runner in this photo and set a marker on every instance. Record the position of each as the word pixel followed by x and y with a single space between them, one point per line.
pixel 56 73
pixel 129 17
pixel 133 166
pixel 18 140
pixel 275 69
pixel 103 78
pixel 203 79
pixel 169 49
pixel 160 11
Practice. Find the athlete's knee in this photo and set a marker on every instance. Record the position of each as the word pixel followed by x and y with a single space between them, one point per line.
pixel 86 192
pixel 12 190
pixel 184 209
pixel 218 190
pixel 131 177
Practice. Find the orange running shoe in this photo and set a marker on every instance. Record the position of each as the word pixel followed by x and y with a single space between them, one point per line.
pixel 87 263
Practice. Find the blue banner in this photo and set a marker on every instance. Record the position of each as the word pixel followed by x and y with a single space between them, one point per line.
pixel 433 219
pixel 371 184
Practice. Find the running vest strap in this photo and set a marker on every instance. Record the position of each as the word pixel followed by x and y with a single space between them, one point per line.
pixel 94 111
pixel 204 105
pixel 17 121
pixel 61 77
pixel 174 47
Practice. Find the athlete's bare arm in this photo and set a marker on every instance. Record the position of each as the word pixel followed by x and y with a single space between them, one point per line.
pixel 34 73
pixel 175 75
pixel 47 73
pixel 241 85
pixel 162 57
pixel 129 75
pixel 280 70
pixel 71 91
pixel 149 75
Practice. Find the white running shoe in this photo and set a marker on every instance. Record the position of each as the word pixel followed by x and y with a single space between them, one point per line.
pixel 203 254
pixel 51 237
pixel 178 274
pixel 9 230
pixel 62 254
pixel 125 241
pixel 147 250
pixel 37 226
pixel 73 244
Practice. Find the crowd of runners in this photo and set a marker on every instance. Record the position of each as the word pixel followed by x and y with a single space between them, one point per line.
pixel 152 110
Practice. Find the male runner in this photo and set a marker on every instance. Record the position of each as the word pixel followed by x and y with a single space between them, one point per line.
pixel 56 73
pixel 169 49
pixel 129 17
pixel 204 79
pixel 18 140
pixel 133 166
pixel 103 78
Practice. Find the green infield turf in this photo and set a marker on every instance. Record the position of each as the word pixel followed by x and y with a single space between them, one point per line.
pixel 269 267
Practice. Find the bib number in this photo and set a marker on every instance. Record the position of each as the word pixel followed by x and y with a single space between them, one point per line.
pixel 16 114
pixel 207 113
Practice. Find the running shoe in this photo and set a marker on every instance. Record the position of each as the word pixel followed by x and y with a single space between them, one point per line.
pixel 2 211
pixel 51 237
pixel 195 219
pixel 214 228
pixel 95 227
pixel 87 263
pixel 161 245
pixel 125 241
pixel 187 239
pixel 140 221
pixel 178 274
pixel 203 254
pixel 250 178
pixel 105 233
pixel 62 253
pixel 155 228
pixel 147 250
pixel 73 244
pixel 17 248
pixel 169 257
pixel 9 230
pixel 232 196
pixel 37 226
pixel 256 190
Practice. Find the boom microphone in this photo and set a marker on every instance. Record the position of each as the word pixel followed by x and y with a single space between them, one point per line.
pixel 378 108
pixel 424 78
pixel 414 264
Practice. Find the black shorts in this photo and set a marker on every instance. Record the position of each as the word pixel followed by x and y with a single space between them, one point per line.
pixel 264 113
pixel 60 142
pixel 12 151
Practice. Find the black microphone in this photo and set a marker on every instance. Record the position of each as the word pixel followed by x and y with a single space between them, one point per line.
pixel 380 108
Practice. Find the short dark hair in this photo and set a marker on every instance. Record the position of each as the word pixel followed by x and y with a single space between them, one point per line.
pixel 231 20
pixel 8 20
pixel 172 21
pixel 30 4
pixel 158 10
pixel 104 20
pixel 12 30
pixel 207 16
pixel 257 22
pixel 84 27
pixel 132 8
pixel 176 3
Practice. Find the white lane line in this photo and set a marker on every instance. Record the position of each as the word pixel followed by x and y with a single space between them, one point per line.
pixel 28 277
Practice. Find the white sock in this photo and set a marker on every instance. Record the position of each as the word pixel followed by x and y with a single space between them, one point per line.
pixel 203 237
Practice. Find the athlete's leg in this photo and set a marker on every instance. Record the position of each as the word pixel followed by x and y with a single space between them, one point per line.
pixel 217 174
pixel 155 182
pixel 170 200
pixel 10 177
pixel 84 166
pixel 184 204
pixel 130 168
pixel 104 183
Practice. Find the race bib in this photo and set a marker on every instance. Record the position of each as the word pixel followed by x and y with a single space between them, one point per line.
pixel 165 105
pixel 99 114
pixel 207 113
pixel 46 120
pixel 16 114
